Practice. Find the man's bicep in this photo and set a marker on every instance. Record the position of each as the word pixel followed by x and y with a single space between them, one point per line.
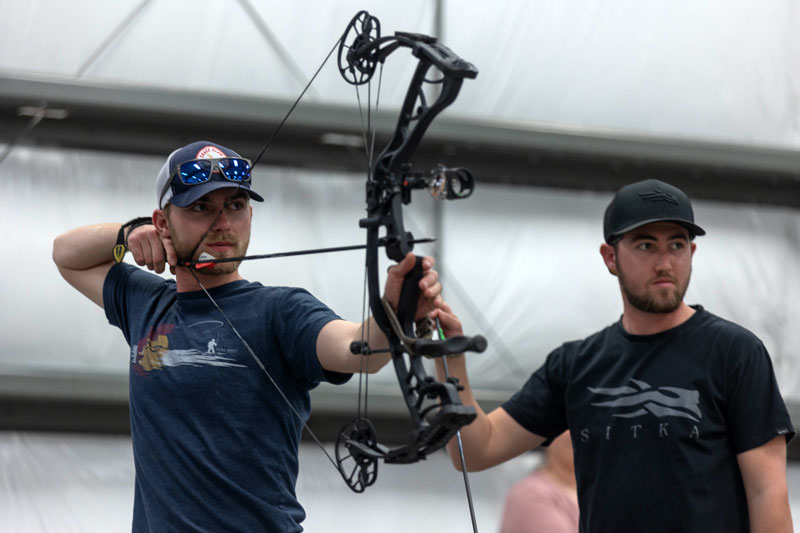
pixel 763 466
pixel 88 282
pixel 333 342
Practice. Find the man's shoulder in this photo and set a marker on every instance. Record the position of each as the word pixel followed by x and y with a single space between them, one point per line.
pixel 127 277
pixel 719 328
pixel 272 292
pixel 592 342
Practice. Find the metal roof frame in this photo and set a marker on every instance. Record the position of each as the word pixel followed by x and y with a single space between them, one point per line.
pixel 145 120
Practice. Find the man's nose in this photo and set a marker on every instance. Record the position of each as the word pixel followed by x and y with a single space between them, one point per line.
pixel 663 261
pixel 221 222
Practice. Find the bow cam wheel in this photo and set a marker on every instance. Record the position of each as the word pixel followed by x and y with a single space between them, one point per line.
pixel 356 62
pixel 356 455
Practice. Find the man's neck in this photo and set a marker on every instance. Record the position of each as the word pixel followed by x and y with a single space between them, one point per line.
pixel 186 282
pixel 637 322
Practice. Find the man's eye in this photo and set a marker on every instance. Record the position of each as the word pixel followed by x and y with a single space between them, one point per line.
pixel 199 208
pixel 678 245
pixel 644 246
pixel 235 205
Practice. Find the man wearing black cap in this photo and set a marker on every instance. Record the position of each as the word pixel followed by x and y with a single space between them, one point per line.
pixel 214 442
pixel 676 419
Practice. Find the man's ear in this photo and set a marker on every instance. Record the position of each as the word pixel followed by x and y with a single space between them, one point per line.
pixel 609 257
pixel 160 222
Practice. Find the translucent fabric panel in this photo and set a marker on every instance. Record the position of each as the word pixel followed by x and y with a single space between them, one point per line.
pixel 212 45
pixel 724 70
pixel 519 265
pixel 78 483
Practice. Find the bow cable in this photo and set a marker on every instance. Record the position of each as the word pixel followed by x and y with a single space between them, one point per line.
pixel 192 265
pixel 458 438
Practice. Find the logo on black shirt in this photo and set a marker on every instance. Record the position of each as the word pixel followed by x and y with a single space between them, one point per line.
pixel 632 402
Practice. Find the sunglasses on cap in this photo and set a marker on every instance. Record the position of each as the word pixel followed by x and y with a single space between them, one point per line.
pixel 197 171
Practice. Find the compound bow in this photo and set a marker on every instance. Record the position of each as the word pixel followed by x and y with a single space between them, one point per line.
pixel 388 188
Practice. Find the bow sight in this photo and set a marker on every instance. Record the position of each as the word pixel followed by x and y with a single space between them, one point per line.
pixel 443 184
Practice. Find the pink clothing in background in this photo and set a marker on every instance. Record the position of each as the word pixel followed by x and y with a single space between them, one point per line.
pixel 537 504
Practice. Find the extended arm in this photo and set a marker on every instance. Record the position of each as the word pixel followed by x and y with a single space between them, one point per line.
pixel 491 438
pixel 764 476
pixel 333 342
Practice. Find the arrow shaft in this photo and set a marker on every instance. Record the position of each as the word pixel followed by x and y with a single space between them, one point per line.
pixel 289 254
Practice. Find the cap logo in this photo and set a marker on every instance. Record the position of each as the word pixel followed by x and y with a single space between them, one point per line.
pixel 658 196
pixel 210 152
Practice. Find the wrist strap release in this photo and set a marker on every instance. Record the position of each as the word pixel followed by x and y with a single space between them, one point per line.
pixel 122 243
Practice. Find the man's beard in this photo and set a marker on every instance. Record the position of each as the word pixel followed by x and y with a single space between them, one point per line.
pixel 220 269
pixel 183 249
pixel 664 302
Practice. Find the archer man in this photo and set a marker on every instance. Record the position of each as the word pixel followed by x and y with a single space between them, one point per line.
pixel 215 442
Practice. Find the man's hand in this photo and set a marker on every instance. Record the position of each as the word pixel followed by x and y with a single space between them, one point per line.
pixel 430 290
pixel 152 250
pixel 450 323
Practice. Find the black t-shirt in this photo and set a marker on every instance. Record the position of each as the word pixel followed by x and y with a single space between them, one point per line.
pixel 657 422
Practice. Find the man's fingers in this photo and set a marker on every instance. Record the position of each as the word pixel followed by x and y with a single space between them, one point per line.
pixel 169 249
pixel 148 254
pixel 136 252
pixel 403 267
pixel 147 248
pixel 431 289
pixel 158 253
pixel 450 323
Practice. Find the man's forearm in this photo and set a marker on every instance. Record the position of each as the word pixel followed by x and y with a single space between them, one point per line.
pixel 85 247
pixel 770 512
pixel 472 435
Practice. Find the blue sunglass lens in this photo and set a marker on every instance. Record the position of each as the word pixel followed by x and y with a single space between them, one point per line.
pixel 235 169
pixel 195 172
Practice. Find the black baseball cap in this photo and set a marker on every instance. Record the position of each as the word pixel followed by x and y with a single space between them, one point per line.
pixel 645 202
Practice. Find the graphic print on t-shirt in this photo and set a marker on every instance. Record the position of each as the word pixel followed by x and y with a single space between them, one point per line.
pixel 631 402
pixel 154 353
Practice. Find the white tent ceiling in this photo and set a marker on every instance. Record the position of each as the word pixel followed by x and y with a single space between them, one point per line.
pixel 722 70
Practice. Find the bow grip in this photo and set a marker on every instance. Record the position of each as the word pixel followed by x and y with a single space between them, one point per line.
pixel 452 346
pixel 409 296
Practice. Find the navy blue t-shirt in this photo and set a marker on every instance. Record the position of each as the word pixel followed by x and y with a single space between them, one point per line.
pixel 214 444
pixel 657 421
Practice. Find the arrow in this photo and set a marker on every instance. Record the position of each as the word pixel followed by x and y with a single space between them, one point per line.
pixel 206 260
